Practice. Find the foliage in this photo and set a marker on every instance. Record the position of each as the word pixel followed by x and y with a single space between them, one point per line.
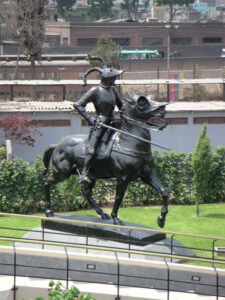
pixel 59 292
pixel 131 6
pixel 7 14
pixel 199 93
pixel 217 175
pixel 173 170
pixel 12 189
pixel 19 129
pixel 100 9
pixel 64 7
pixel 172 5
pixel 108 50
pixel 30 25
pixel 3 153
pixel 201 164
pixel 22 189
pixel 71 191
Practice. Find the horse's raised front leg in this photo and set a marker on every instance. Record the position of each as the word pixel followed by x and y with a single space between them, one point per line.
pixel 120 191
pixel 87 192
pixel 154 181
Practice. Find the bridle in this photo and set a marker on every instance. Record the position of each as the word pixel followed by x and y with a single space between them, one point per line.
pixel 154 127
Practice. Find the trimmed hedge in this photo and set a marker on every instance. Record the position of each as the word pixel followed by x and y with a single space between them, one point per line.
pixel 21 185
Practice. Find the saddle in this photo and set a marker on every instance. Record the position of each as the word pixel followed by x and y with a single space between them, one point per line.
pixel 105 147
pixel 110 142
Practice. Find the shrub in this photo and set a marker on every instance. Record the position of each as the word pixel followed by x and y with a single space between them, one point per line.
pixel 59 292
pixel 22 189
pixel 201 164
pixel 3 153
pixel 217 176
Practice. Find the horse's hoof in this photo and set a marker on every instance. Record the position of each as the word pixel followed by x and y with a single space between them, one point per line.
pixel 105 216
pixel 49 213
pixel 117 221
pixel 161 222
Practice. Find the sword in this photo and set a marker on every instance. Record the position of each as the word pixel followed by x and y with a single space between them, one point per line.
pixel 132 135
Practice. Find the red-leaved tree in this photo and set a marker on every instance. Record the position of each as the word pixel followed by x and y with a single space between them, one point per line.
pixel 20 129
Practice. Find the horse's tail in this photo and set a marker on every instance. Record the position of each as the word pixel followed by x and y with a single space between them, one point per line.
pixel 47 157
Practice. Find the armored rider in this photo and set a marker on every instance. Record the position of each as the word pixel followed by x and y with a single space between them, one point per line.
pixel 104 98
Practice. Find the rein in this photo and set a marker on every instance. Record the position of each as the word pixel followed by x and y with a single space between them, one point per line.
pixel 132 135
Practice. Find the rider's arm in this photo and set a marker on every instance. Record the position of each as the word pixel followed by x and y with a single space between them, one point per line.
pixel 119 101
pixel 80 105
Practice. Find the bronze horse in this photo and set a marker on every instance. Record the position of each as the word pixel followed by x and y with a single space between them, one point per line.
pixel 120 155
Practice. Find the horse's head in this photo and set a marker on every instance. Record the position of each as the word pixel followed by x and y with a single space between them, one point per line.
pixel 143 109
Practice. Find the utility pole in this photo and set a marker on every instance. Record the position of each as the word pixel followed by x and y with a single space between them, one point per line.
pixel 169 27
pixel 1 50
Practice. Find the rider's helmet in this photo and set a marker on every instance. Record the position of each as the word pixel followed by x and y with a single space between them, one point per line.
pixel 106 73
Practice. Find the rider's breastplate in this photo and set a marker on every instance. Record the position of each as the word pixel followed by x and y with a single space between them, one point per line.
pixel 105 102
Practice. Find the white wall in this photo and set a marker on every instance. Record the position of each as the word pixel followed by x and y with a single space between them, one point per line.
pixel 178 138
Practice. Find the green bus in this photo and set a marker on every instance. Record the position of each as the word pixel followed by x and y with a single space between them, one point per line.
pixel 141 54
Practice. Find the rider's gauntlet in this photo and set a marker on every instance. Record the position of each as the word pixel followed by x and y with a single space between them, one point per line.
pixel 84 114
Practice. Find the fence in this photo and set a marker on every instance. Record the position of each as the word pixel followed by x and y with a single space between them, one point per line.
pixel 115 270
pixel 161 89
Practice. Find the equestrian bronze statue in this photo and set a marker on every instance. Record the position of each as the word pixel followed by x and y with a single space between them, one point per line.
pixel 124 154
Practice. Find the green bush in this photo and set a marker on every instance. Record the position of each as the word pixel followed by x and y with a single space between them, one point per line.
pixel 59 292
pixel 22 190
pixel 217 175
pixel 3 153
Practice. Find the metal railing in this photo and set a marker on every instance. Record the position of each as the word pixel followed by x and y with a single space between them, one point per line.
pixel 115 250
pixel 64 84
pixel 128 251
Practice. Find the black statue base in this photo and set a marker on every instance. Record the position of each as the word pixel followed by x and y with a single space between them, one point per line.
pixel 134 237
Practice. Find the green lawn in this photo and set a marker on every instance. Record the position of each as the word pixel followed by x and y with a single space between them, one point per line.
pixel 180 219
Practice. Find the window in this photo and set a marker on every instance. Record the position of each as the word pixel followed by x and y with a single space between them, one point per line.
pixel 52 40
pixel 177 121
pixel 181 41
pixel 152 41
pixel 122 41
pixel 212 40
pixel 84 123
pixel 53 75
pixel 65 41
pixel 80 75
pixel 52 123
pixel 86 42
pixel 44 75
pixel 209 120
pixel 24 76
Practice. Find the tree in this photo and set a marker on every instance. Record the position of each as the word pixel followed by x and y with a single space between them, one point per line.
pixel 201 164
pixel 64 7
pixel 20 129
pixel 100 8
pixel 108 50
pixel 173 5
pixel 7 13
pixel 131 6
pixel 30 28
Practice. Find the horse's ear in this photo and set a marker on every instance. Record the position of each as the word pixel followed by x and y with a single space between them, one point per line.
pixel 132 98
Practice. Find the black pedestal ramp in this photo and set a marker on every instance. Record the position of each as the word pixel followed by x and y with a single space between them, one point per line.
pixel 133 237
